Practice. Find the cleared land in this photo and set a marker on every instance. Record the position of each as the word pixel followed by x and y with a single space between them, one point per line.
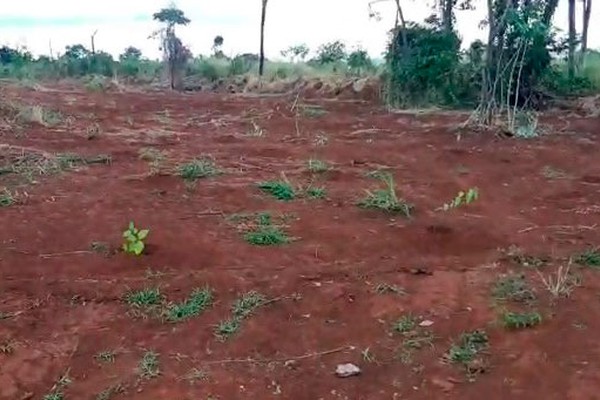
pixel 460 303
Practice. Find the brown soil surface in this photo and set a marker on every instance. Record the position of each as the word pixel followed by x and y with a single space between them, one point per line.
pixel 61 304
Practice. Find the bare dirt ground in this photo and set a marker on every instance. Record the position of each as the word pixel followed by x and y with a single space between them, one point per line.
pixel 390 294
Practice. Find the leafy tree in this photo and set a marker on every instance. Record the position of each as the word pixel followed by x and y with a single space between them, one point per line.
pixel 359 61
pixel 297 52
pixel 217 46
pixel 331 52
pixel 175 53
pixel 76 52
pixel 131 53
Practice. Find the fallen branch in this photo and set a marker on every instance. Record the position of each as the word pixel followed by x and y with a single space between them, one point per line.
pixel 280 360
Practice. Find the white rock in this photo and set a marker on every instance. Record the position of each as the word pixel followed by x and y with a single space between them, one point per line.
pixel 426 323
pixel 347 370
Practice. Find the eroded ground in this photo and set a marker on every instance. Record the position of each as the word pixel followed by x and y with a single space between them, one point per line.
pixel 389 294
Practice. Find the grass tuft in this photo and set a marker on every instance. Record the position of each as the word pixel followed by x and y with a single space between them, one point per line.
pixel 198 169
pixel 262 232
pixel 199 300
pixel 316 192
pixel 281 190
pixel 227 328
pixel 317 166
pixel 148 367
pixel 7 199
pixel 144 298
pixel 105 357
pixel 247 303
pixel 386 199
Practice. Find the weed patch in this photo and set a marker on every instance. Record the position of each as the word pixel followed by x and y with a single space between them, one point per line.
pixel 260 230
pixel 513 288
pixel 414 336
pixel 469 346
pixel 386 288
pixel 590 258
pixel 144 301
pixel 514 320
pixel 316 192
pixel 110 392
pixel 7 199
pixel 242 308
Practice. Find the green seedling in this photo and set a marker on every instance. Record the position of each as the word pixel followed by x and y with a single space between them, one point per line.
pixel 7 199
pixel 227 328
pixel 134 239
pixel 316 192
pixel 263 233
pixel 462 198
pixel 468 347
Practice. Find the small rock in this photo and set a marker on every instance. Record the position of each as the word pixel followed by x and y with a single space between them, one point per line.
pixel 347 370
pixel 426 323
pixel 443 384
pixel 291 364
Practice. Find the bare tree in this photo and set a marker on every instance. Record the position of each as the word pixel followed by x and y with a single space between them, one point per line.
pixel 261 63
pixel 175 53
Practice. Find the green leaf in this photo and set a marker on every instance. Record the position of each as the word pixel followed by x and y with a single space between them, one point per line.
pixel 137 247
pixel 125 248
pixel 131 226
pixel 143 234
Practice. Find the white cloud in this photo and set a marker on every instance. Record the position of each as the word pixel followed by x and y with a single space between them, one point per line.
pixel 288 22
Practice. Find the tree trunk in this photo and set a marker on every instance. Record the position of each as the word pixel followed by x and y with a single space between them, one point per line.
pixel 572 39
pixel 549 11
pixel 448 15
pixel 261 63
pixel 400 15
pixel 587 11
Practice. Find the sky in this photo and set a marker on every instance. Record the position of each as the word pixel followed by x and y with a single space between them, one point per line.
pixel 41 25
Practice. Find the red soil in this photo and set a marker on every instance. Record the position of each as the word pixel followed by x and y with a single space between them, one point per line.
pixel 62 309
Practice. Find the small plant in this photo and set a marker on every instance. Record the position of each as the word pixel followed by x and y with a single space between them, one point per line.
pixel 513 288
pixel 7 199
pixel 149 365
pixel 197 169
pixel 227 328
pixel 199 301
pixel 255 130
pixel 512 320
pixel 102 248
pixel 316 192
pixel 105 357
pixel 468 347
pixel 590 257
pixel 317 166
pixel 7 347
pixel 384 288
pixel 108 393
pixel 281 190
pixel 154 157
pixel 134 239
pixel 56 393
pixel 386 199
pixel 405 324
pixel 462 198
